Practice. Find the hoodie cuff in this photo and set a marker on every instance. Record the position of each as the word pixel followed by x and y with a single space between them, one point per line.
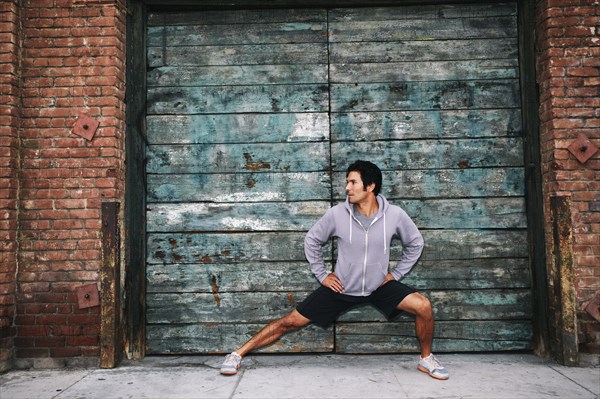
pixel 321 276
pixel 397 275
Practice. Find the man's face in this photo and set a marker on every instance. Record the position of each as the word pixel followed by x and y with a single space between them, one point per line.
pixel 355 188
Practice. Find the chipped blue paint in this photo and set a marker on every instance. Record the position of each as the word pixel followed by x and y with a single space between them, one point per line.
pixel 253 117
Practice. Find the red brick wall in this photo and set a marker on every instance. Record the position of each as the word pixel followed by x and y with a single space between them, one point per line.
pixel 53 182
pixel 73 63
pixel 9 162
pixel 568 33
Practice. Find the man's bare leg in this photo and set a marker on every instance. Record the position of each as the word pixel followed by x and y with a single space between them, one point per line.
pixel 273 331
pixel 420 306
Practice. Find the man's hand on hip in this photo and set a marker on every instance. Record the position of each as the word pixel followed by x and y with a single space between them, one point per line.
pixel 333 283
pixel 387 279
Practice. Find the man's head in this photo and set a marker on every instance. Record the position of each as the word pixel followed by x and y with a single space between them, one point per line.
pixel 369 173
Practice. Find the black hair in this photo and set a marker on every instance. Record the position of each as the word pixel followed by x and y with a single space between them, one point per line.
pixel 369 173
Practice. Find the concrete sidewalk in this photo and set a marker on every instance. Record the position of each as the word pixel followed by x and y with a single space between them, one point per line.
pixel 311 376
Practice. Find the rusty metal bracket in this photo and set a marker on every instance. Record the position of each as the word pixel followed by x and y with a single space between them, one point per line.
pixel 582 148
pixel 87 296
pixel 85 127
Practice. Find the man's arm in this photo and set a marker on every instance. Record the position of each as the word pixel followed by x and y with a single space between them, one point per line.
pixel 412 246
pixel 316 237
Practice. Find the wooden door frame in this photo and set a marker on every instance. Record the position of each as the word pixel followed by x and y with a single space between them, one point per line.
pixel 134 304
pixel 135 205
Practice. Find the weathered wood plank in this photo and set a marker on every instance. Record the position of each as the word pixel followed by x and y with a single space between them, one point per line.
pixel 426 29
pixel 365 344
pixel 236 158
pixel 260 216
pixel 433 154
pixel 469 274
pixel 245 75
pixel 249 277
pixel 398 96
pixel 237 128
pixel 372 126
pixel 444 183
pixel 262 307
pixel 439 12
pixel 419 51
pixel 289 246
pixel 469 244
pixel 259 54
pixel 238 99
pixel 227 248
pixel 238 187
pixel 295 276
pixel 462 305
pixel 220 307
pixel 260 33
pixel 449 336
pixel 221 338
pixel 473 213
pixel 479 330
pixel 447 131
pixel 430 71
pixel 208 17
pixel 256 187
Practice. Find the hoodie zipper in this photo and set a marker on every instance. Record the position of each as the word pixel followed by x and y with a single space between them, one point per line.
pixel 364 273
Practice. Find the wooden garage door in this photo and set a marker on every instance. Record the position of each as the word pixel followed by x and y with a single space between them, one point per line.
pixel 252 119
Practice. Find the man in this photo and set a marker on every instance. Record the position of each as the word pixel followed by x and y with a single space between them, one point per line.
pixel 363 226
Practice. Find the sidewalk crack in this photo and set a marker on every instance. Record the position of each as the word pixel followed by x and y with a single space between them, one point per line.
pixel 572 380
pixel 237 384
pixel 62 391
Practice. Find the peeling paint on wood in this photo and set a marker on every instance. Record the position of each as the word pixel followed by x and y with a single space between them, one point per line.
pixel 295 276
pixel 447 183
pixel 395 96
pixel 238 187
pixel 221 337
pixel 445 154
pixel 436 124
pixel 300 53
pixel 250 134
pixel 226 247
pixel 419 50
pixel 220 158
pixel 202 35
pixel 235 217
pixel 238 128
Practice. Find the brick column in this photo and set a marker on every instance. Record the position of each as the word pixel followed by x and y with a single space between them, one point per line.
pixel 73 64
pixel 568 70
pixel 9 166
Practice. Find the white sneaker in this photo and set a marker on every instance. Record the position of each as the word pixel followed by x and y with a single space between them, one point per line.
pixel 231 364
pixel 432 366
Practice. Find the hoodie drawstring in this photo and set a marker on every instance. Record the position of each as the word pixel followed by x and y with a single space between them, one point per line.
pixel 384 230
pixel 384 236
pixel 350 227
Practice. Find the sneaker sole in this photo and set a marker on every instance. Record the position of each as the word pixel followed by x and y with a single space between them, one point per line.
pixel 229 372
pixel 424 370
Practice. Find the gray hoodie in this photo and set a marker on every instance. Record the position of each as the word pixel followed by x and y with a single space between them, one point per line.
pixel 363 251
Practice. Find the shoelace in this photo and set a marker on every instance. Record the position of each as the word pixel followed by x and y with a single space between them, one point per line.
pixel 231 360
pixel 434 362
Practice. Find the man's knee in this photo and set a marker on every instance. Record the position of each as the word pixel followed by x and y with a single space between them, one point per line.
pixel 292 321
pixel 417 304
pixel 424 306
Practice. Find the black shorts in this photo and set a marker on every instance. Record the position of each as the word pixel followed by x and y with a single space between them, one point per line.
pixel 323 306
